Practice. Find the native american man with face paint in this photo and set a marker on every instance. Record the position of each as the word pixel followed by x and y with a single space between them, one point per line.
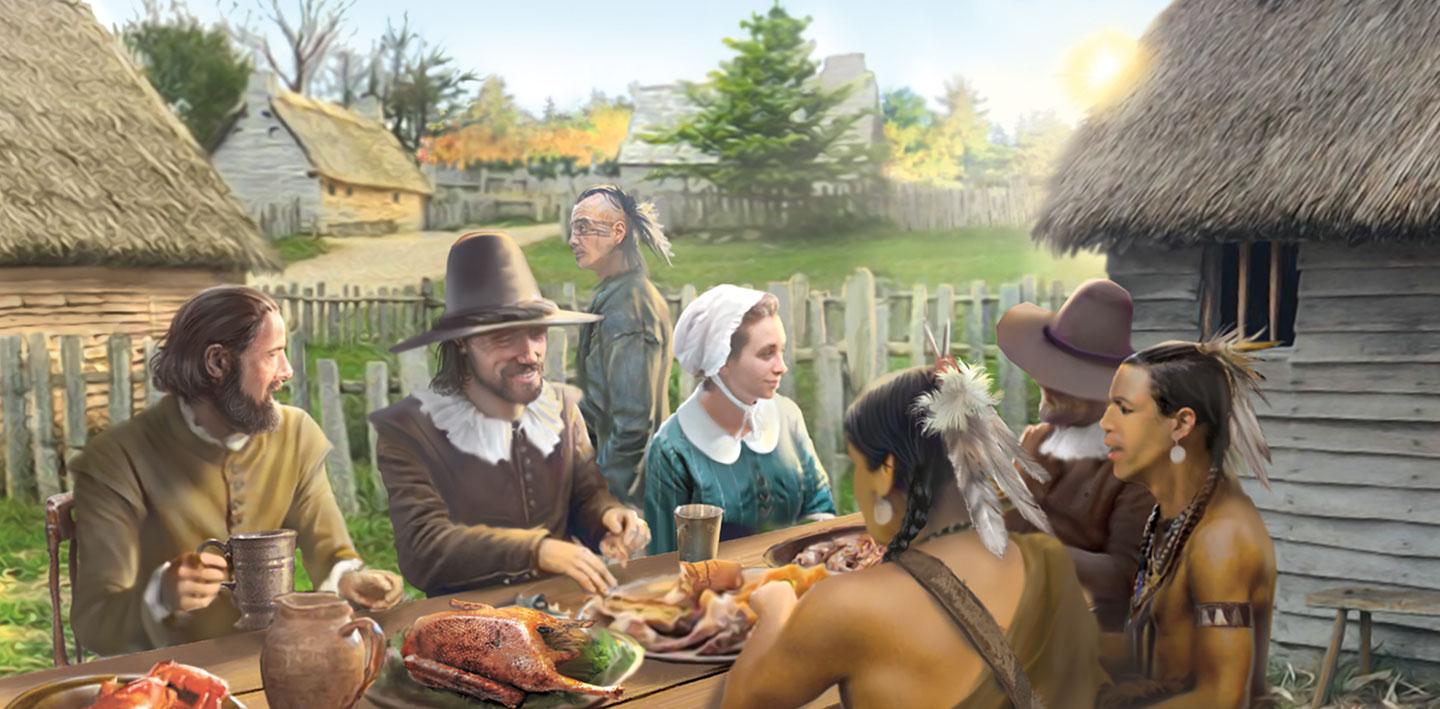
pixel 1073 355
pixel 624 360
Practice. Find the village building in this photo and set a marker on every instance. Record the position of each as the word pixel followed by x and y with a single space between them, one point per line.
pixel 664 106
pixel 110 215
pixel 1275 167
pixel 341 170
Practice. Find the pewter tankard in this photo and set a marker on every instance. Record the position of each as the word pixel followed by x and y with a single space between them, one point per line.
pixel 263 566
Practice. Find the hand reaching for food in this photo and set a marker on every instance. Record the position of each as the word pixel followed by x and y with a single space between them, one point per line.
pixel 561 557
pixel 628 534
pixel 372 589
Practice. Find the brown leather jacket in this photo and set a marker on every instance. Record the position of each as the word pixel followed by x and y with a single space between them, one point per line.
pixel 462 523
pixel 1098 518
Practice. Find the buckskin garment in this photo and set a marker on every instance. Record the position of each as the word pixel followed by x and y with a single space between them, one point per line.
pixel 624 372
pixel 462 521
pixel 1099 519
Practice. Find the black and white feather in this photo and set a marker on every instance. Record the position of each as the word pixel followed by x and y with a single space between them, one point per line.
pixel 984 453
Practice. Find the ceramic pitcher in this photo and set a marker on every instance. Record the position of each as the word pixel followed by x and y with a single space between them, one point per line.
pixel 317 654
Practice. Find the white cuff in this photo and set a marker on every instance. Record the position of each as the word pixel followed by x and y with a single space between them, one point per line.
pixel 153 604
pixel 819 516
pixel 342 567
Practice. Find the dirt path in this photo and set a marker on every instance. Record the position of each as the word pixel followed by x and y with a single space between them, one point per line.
pixel 394 260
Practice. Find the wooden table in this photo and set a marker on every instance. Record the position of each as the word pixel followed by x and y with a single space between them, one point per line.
pixel 236 658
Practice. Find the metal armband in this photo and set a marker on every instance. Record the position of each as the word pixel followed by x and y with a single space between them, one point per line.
pixel 1224 615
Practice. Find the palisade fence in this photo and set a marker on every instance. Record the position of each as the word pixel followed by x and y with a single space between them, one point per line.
pixel 847 340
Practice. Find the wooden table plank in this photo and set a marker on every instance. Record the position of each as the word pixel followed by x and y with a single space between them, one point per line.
pixel 236 658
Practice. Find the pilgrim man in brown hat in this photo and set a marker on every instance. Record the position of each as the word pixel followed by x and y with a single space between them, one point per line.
pixel 1073 356
pixel 490 471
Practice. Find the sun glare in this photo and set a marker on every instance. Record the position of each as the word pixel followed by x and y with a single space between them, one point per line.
pixel 1099 67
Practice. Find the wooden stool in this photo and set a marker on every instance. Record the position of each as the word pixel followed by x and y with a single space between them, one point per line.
pixel 1366 601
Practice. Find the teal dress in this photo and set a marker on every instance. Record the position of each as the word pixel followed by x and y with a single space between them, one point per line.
pixel 769 479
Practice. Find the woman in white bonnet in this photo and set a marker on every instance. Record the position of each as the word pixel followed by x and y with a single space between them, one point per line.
pixel 734 443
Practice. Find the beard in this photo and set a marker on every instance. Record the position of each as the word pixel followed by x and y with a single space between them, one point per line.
pixel 243 413
pixel 1069 411
pixel 504 386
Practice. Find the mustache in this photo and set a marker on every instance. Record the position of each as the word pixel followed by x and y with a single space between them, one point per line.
pixel 515 370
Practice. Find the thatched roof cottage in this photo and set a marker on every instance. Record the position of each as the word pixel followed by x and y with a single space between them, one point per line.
pixel 110 215
pixel 344 169
pixel 1276 166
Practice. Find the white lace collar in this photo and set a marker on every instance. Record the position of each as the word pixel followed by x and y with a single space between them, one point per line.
pixel 720 445
pixel 234 442
pixel 1075 443
pixel 489 438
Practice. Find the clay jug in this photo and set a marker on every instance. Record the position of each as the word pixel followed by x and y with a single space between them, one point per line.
pixel 317 654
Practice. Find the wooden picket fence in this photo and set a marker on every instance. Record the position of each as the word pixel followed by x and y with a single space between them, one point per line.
pixel 847 338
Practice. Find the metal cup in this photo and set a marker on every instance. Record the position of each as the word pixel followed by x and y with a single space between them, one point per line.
pixel 263 566
pixel 697 531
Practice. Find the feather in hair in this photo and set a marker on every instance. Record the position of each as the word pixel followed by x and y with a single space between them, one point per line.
pixel 1248 448
pixel 980 450
pixel 653 235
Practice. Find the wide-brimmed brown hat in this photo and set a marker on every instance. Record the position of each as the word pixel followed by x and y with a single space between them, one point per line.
pixel 1077 350
pixel 488 286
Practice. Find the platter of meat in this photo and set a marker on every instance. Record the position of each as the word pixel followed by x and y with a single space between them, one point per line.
pixel 478 656
pixel 700 615
pixel 168 685
pixel 838 550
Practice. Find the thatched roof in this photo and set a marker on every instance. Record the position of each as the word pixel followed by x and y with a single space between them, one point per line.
pixel 347 147
pixel 1263 120
pixel 94 169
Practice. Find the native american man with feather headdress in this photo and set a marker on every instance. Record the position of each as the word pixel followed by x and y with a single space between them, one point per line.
pixel 1180 422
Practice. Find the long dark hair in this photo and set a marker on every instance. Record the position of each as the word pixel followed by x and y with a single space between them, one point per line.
pixel 1181 376
pixel 882 422
pixel 229 316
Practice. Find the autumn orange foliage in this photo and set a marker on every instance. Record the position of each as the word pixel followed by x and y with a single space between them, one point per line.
pixel 501 136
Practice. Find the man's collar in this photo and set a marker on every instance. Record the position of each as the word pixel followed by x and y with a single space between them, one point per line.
pixel 487 438
pixel 612 284
pixel 720 445
pixel 234 441
pixel 1076 443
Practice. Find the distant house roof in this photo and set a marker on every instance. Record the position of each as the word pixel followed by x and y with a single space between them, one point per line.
pixel 347 147
pixel 94 169
pixel 665 105
pixel 1262 120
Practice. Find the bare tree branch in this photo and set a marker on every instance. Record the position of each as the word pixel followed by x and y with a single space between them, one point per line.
pixel 309 37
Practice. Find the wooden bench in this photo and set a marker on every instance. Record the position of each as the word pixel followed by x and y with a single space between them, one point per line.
pixel 1366 601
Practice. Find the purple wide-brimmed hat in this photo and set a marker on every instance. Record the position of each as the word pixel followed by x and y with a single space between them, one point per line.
pixel 1077 350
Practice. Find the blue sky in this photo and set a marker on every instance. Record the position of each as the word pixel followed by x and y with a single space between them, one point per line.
pixel 1011 50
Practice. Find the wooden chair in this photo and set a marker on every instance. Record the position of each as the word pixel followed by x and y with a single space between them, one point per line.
pixel 1366 601
pixel 60 527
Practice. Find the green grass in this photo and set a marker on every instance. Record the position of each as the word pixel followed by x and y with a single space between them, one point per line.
pixel 299 248
pixel 994 254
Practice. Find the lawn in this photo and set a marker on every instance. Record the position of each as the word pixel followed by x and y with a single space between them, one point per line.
pixel 994 254
pixel 299 248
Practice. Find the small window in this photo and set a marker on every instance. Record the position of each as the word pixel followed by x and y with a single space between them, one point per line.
pixel 332 189
pixel 1254 288
pixel 349 191
pixel 395 197
pixel 266 113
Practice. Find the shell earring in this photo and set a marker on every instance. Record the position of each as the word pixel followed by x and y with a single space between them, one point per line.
pixel 884 511
pixel 1177 454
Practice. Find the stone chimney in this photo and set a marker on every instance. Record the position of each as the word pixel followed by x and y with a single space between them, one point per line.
pixel 369 106
pixel 258 91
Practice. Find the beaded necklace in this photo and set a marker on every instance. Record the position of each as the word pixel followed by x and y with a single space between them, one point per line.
pixel 957 527
pixel 1156 566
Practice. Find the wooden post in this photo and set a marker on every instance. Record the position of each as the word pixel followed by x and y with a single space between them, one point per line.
pixel 786 311
pixel 120 393
pixel 385 310
pixel 337 462
pixel 334 335
pixel 309 319
pixel 414 370
pixel 1057 295
pixel 321 336
pixel 567 296
pixel 410 319
pixel 1364 619
pixel 372 317
pixel 19 463
pixel 377 396
pixel 47 466
pixel 829 410
pixel 152 394
pixel 427 295
pixel 1014 409
pixel 799 306
pixel 72 366
pixel 295 311
pixel 1027 291
pixel 944 314
pixel 919 343
pixel 1242 290
pixel 882 336
pixel 300 382
pixel 975 332
pixel 555 352
pixel 1337 636
pixel 687 381
pixel 818 334
pixel 860 328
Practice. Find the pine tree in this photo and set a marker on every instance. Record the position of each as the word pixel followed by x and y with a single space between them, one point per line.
pixel 769 123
